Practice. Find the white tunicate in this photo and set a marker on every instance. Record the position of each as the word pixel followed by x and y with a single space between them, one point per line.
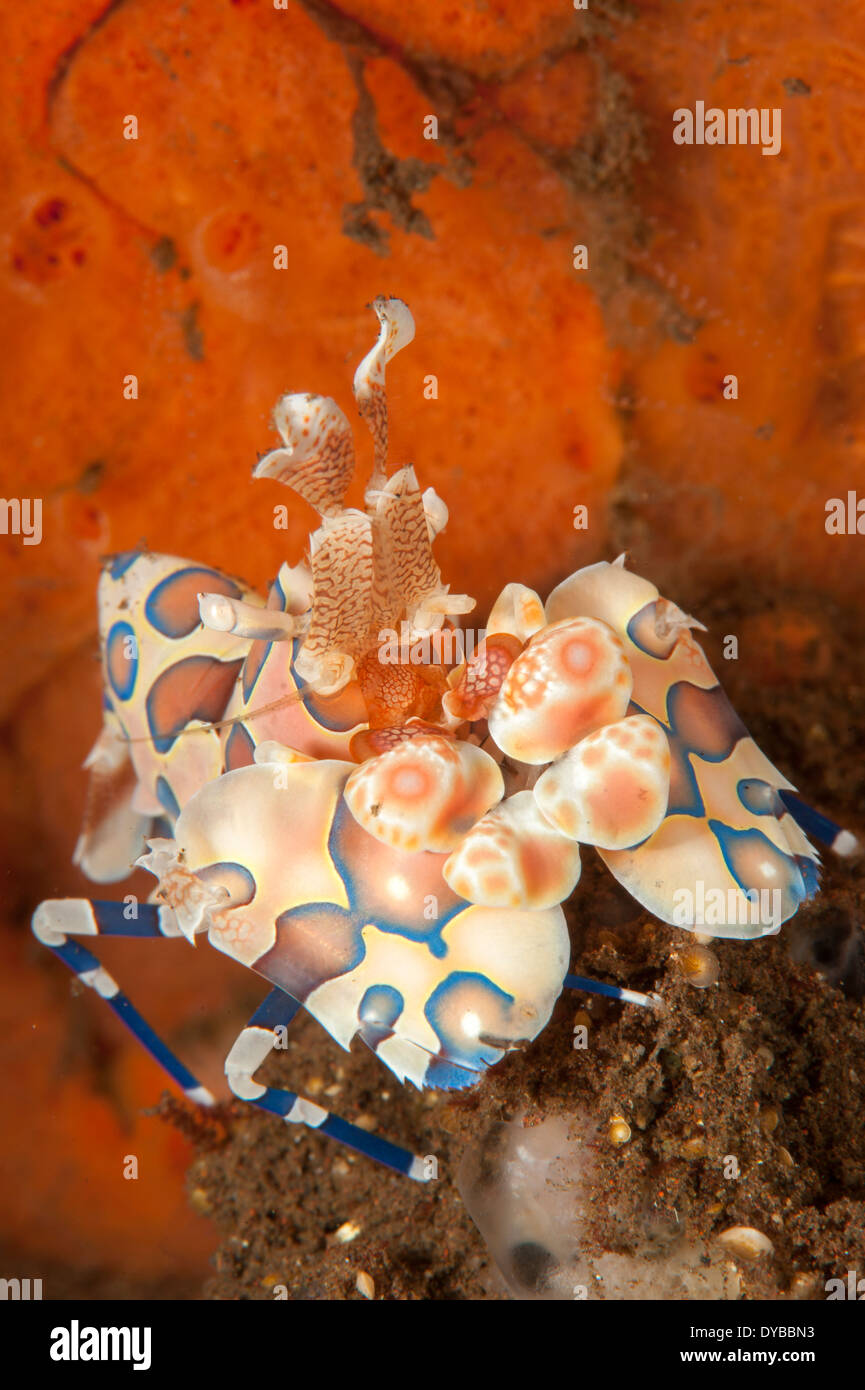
pixel 533 1194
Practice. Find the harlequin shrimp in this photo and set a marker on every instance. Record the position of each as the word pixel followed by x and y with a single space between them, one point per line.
pixel 388 838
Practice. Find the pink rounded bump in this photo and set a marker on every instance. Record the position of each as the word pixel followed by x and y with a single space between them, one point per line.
pixel 513 857
pixel 424 794
pixel 611 790
pixel 572 678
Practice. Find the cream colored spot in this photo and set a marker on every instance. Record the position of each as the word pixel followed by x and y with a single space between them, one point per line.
pixel 409 782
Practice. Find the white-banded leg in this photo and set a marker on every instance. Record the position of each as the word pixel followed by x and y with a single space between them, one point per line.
pixel 55 920
pixel 255 1043
pixel 819 827
pixel 625 996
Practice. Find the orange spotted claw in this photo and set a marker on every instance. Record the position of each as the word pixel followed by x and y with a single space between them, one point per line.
pixel 612 789
pixel 424 794
pixel 572 678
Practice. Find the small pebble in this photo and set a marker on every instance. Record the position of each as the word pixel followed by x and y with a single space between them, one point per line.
pixel 745 1243
pixel 348 1231
pixel 365 1284
pixel 694 1148
pixel 699 966
pixel 769 1119
pixel 619 1131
